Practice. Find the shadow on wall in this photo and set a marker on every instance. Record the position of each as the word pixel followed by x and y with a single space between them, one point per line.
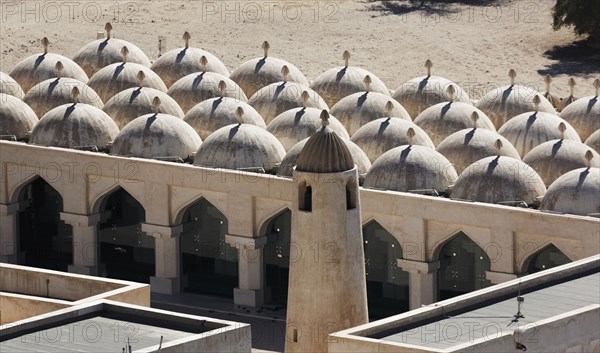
pixel 572 59
pixel 437 7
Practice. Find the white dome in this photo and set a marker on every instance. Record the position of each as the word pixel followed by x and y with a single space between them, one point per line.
pixel 499 179
pixel 260 72
pixel 467 146
pixel 337 83
pixel 443 119
pixel 291 158
pixel 9 86
pixel 240 146
pixel 16 117
pixel 554 158
pixel 576 192
pixel 156 135
pixel 212 114
pixel 502 104
pixel 422 92
pixel 134 102
pixel 359 108
pixel 406 168
pixel 178 63
pixel 40 67
pixel 55 92
pixel 197 87
pixel 294 125
pixel 75 125
pixel 118 77
pixel 583 115
pixel 103 52
pixel 276 98
pixel 531 129
pixel 594 141
pixel 381 135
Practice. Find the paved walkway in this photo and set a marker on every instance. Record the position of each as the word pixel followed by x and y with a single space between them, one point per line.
pixel 267 323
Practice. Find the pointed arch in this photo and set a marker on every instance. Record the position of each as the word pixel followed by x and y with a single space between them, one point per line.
pixel 463 266
pixel 277 255
pixel 15 193
pixel 101 196
pixel 438 245
pixel 43 239
pixel 125 251
pixel 545 258
pixel 208 263
pixel 384 225
pixel 264 223
pixel 180 210
pixel 387 285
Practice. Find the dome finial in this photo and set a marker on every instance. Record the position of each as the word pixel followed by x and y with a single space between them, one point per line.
pixel 140 77
pixel 572 84
pixel 156 105
pixel 474 118
pixel 265 47
pixel 305 97
pixel 498 145
pixel 203 63
pixel 548 81
pixel 428 65
pixel 222 88
pixel 367 82
pixel 513 75
pixel 410 133
pixel 108 28
pixel 45 44
pixel 75 95
pixel 324 118
pixel 239 112
pixel 389 106
pixel 562 128
pixel 346 57
pixel 589 155
pixel 186 39
pixel 58 68
pixel 451 91
pixel 536 101
pixel 285 71
pixel 124 53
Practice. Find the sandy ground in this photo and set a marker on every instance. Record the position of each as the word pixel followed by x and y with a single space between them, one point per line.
pixel 474 46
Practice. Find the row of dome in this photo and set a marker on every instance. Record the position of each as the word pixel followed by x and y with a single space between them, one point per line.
pixel 494 173
pixel 386 123
pixel 113 64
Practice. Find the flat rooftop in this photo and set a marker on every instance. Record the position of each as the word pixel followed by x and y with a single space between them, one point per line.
pixel 489 321
pixel 106 326
pixel 100 333
pixel 561 299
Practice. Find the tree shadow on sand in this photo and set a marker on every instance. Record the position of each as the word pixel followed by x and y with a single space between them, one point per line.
pixel 432 7
pixel 578 58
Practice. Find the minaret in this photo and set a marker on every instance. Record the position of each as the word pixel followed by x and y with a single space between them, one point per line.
pixel 327 287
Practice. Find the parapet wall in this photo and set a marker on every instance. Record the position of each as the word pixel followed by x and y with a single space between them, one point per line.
pixel 28 291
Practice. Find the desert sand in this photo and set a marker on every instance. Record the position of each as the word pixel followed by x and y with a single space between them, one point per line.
pixel 473 45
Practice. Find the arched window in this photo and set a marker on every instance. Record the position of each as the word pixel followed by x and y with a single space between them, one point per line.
pixel 387 285
pixel 277 255
pixel 126 252
pixel 549 257
pixel 463 266
pixel 209 265
pixel 44 240
pixel 351 194
pixel 304 197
